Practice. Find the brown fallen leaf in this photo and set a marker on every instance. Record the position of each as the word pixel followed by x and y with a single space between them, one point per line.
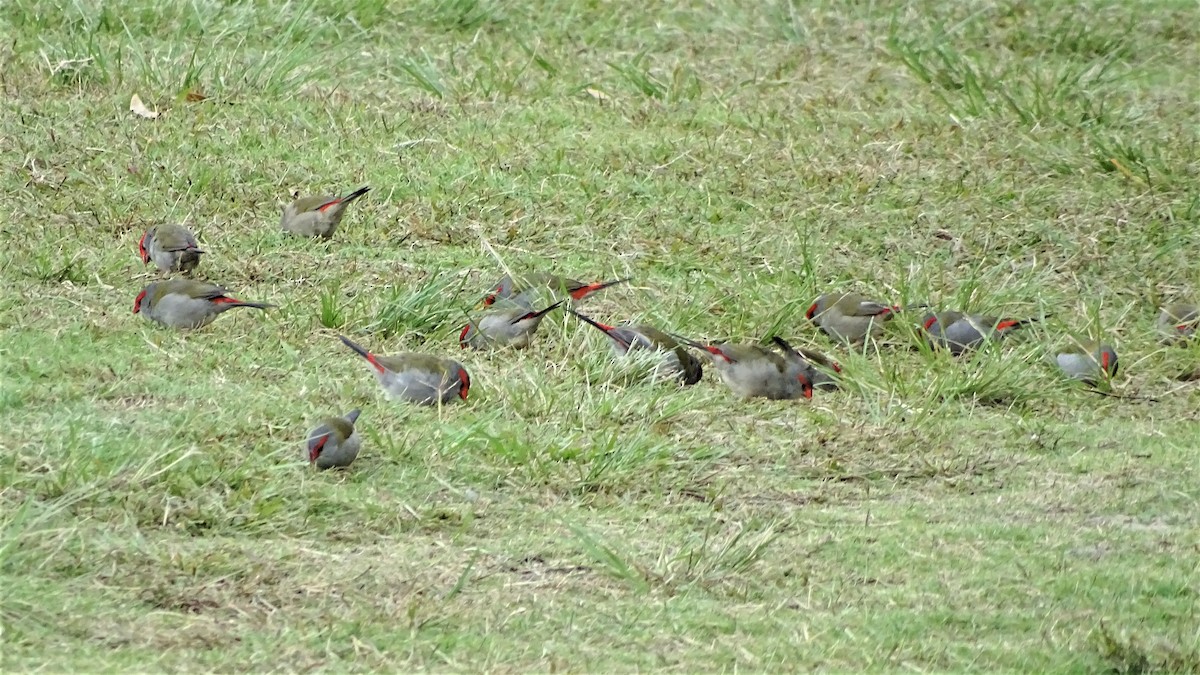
pixel 194 96
pixel 138 108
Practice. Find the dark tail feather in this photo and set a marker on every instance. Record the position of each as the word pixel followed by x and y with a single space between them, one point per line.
pixel 230 303
pixel 587 289
pixel 255 305
pixel 589 320
pixel 356 194
pixel 534 315
pixel 355 346
pixel 689 342
pixel 784 346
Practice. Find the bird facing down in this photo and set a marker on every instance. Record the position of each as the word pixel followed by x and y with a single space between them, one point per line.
pixel 513 326
pixel 172 248
pixel 317 216
pixel 334 442
pixel 418 378
pixel 1177 323
pixel 850 317
pixel 184 303
pixel 960 333
pixel 1089 362
pixel 524 290
pixel 677 361
pixel 754 371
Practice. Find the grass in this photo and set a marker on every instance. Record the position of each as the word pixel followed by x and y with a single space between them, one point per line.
pixel 735 160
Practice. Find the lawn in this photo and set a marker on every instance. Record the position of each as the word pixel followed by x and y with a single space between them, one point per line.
pixel 735 160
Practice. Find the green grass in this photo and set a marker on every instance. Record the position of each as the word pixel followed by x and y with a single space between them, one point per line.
pixel 735 159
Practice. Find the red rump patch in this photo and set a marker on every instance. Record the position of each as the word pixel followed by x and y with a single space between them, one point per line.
pixel 375 362
pixel 836 367
pixel 1183 326
pixel 811 311
pixel 224 300
pixel 465 385
pixel 930 321
pixel 316 448
pixel 329 204
pixel 1008 323
pixel 1104 361
pixel 718 352
pixel 583 291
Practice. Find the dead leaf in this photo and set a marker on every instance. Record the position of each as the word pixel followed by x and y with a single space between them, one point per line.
pixel 194 96
pixel 138 108
pixel 597 94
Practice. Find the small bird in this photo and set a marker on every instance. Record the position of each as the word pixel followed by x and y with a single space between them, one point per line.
pixel 1089 362
pixel 317 216
pixel 961 332
pixel 172 248
pixel 418 378
pixel 513 326
pixel 677 361
pixel 523 290
pixel 334 442
pixel 1178 322
pixel 754 371
pixel 850 317
pixel 820 370
pixel 184 303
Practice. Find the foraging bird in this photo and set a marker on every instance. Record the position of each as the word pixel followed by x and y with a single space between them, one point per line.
pixel 1178 322
pixel 818 368
pixel 419 378
pixel 754 371
pixel 677 361
pixel 513 326
pixel 523 290
pixel 1089 362
pixel 172 248
pixel 334 442
pixel 184 303
pixel 850 317
pixel 317 216
pixel 961 333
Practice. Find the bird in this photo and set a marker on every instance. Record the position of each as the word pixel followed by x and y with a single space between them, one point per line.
pixel 850 317
pixel 334 442
pixel 1178 322
pixel 677 361
pixel 1088 362
pixel 185 303
pixel 317 216
pixel 820 370
pixel 419 378
pixel 172 248
pixel 512 326
pixel 961 332
pixel 523 290
pixel 754 371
